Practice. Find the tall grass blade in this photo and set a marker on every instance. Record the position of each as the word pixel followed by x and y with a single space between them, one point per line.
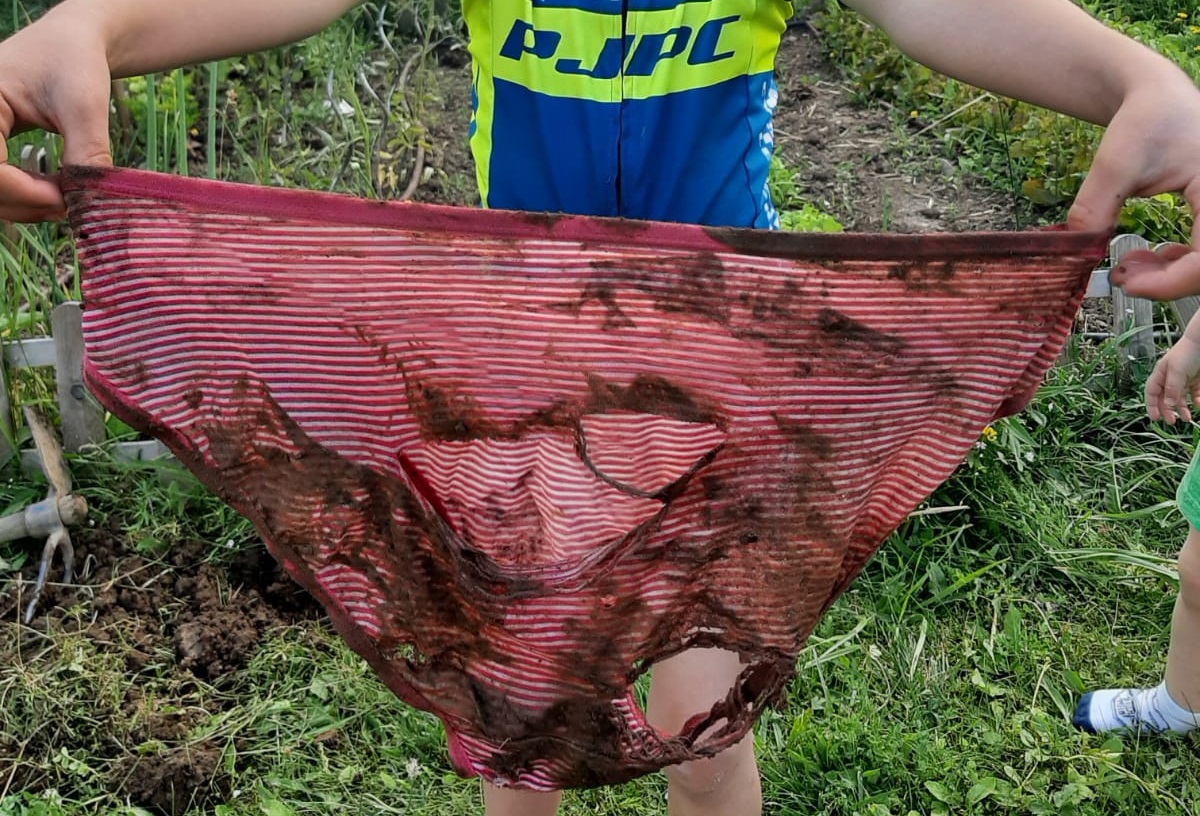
pixel 181 124
pixel 152 122
pixel 1135 561
pixel 210 148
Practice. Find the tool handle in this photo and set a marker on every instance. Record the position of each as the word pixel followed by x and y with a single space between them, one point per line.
pixel 13 527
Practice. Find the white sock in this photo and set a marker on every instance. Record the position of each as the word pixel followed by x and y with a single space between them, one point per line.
pixel 1143 711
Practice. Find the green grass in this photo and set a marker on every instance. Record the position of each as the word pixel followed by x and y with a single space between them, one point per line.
pixel 942 682
pixel 968 638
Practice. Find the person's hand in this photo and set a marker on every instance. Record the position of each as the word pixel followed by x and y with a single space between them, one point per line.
pixel 1152 146
pixel 53 75
pixel 1174 382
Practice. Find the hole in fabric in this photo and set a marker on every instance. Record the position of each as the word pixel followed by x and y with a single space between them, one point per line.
pixel 686 686
pixel 555 496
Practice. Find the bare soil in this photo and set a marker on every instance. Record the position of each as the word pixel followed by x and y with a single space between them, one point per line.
pixel 851 161
pixel 187 614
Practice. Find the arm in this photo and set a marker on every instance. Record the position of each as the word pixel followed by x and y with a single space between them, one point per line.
pixel 141 37
pixel 56 73
pixel 1047 52
pixel 1053 54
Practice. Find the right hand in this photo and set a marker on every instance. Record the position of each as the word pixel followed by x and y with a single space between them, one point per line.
pixel 54 75
pixel 1175 381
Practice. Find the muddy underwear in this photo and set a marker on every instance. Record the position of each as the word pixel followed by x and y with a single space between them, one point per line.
pixel 520 458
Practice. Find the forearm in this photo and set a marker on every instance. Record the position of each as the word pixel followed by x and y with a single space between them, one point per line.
pixel 1047 52
pixel 141 36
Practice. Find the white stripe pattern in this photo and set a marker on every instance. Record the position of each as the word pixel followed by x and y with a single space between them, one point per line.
pixel 519 460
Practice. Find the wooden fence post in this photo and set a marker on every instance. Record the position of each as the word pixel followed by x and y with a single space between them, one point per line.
pixel 1184 308
pixel 82 416
pixel 1130 312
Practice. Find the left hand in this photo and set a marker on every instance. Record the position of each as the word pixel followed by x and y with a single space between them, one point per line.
pixel 1175 383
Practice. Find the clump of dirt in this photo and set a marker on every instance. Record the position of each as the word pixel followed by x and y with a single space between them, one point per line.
pixel 218 630
pixel 214 614
pixel 187 616
pixel 183 773
pixel 176 780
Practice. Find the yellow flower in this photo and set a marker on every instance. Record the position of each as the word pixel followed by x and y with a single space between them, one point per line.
pixel 1195 29
pixel 1183 15
pixel 989 434
pixel 914 114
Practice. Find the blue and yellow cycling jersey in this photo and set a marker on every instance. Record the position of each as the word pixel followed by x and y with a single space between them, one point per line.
pixel 657 109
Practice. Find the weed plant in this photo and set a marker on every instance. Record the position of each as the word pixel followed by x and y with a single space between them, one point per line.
pixel 1039 156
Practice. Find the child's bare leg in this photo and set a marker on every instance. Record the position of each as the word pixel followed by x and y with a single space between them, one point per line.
pixel 1171 706
pixel 727 784
pixel 1183 656
pixel 683 685
pixel 510 802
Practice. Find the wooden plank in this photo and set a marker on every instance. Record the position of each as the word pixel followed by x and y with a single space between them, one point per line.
pixel 1130 312
pixel 1098 285
pixel 1185 309
pixel 35 159
pixel 37 351
pixel 82 416
pixel 141 451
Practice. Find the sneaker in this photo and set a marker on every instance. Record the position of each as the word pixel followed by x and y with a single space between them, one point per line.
pixel 1137 711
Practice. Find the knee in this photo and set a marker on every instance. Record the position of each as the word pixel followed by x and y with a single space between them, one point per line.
pixel 1189 572
pixel 704 779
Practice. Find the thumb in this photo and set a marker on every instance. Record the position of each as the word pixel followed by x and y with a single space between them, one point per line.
pixel 1098 204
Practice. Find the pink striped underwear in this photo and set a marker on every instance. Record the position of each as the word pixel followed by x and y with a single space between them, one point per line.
pixel 521 457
